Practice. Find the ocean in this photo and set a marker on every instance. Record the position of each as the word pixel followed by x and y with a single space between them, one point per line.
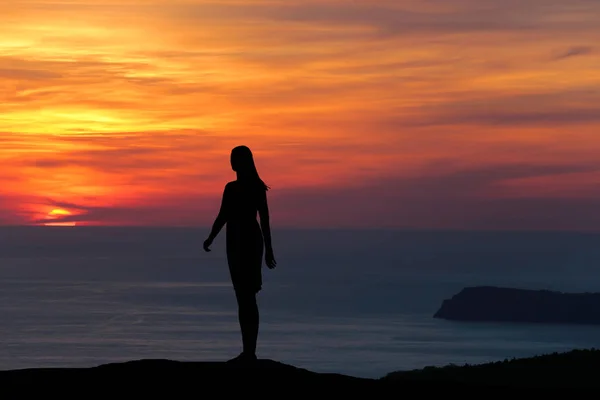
pixel 358 302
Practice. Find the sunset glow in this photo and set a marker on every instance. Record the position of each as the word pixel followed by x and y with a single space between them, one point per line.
pixel 58 214
pixel 439 114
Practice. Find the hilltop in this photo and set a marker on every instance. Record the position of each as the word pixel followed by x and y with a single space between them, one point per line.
pixel 575 369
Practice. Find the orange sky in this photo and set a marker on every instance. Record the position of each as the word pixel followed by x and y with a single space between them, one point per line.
pixel 408 113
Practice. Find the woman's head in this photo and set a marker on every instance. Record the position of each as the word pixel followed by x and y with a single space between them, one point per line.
pixel 242 162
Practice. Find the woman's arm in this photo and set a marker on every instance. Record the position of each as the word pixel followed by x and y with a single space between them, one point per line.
pixel 221 218
pixel 265 225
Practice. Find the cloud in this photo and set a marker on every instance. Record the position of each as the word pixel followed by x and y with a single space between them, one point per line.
pixel 575 51
pixel 551 108
pixel 178 211
pixel 453 200
pixel 27 74
pixel 9 210
pixel 517 118
pixel 128 109
pixel 402 17
pixel 442 196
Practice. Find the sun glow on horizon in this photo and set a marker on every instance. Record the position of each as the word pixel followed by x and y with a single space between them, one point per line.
pixel 57 213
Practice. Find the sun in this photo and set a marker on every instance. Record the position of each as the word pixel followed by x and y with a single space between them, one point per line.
pixel 57 213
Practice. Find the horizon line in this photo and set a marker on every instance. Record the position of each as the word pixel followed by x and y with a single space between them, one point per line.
pixel 316 228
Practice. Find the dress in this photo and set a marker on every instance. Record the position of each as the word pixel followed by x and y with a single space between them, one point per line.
pixel 244 239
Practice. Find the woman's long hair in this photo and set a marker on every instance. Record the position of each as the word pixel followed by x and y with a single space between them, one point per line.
pixel 242 162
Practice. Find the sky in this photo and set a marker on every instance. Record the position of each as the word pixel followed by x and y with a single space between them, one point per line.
pixel 420 114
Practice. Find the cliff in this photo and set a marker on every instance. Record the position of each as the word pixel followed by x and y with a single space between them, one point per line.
pixel 488 303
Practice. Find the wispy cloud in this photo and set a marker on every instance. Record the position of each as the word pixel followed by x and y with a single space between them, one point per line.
pixel 575 51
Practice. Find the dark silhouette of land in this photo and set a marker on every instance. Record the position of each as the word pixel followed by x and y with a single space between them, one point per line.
pixel 496 304
pixel 247 241
pixel 575 369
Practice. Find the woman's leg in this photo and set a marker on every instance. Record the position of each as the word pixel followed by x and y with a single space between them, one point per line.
pixel 249 320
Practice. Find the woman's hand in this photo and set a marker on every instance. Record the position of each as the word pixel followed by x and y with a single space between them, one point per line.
pixel 270 259
pixel 207 244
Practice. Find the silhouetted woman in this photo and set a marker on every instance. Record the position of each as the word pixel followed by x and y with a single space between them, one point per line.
pixel 245 241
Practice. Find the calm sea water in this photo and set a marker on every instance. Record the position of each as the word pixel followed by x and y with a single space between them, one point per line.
pixel 355 302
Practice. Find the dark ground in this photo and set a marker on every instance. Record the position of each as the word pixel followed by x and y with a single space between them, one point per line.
pixel 573 369
pixel 578 369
